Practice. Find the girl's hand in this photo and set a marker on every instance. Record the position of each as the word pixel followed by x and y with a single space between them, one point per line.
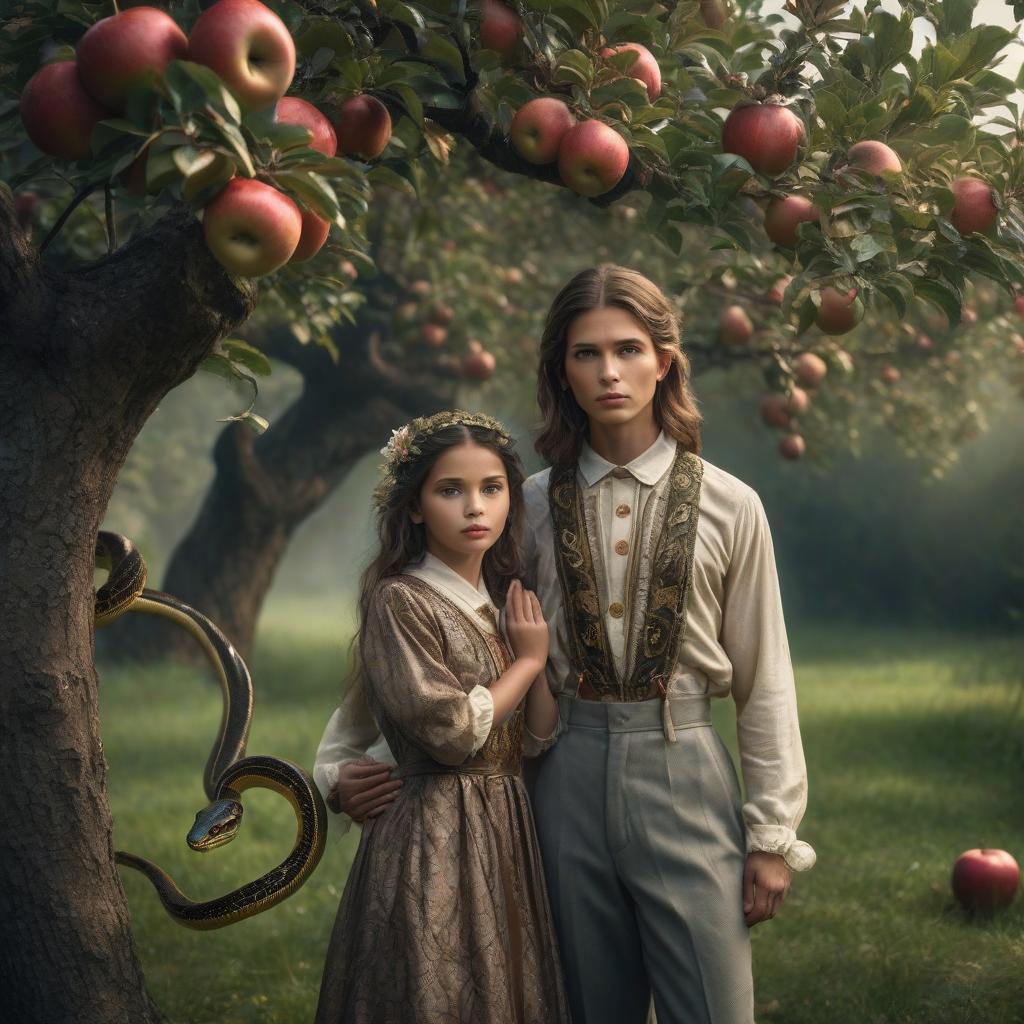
pixel 524 622
pixel 364 789
pixel 765 884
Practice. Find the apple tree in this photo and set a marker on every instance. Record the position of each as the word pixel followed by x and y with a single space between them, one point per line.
pixel 135 121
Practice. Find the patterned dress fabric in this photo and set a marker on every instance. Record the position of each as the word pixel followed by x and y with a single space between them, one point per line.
pixel 445 917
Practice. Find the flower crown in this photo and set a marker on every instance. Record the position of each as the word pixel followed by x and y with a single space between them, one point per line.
pixel 405 442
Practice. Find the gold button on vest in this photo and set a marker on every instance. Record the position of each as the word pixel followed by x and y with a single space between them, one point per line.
pixel 622 547
pixel 615 610
pixel 622 511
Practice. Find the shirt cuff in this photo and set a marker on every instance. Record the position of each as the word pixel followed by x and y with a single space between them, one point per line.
pixel 326 776
pixel 481 711
pixel 534 745
pixel 798 855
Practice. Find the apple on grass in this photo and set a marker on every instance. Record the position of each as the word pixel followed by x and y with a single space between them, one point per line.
pixel 249 46
pixel 251 228
pixel 57 112
pixel 985 879
pixel 645 66
pixel 363 127
pixel 592 158
pixel 766 135
pixel 120 52
pixel 538 129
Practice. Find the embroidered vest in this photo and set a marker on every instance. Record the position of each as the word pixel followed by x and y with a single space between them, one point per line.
pixel 664 624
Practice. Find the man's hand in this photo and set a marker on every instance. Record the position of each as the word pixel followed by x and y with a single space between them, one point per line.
pixel 364 789
pixel 765 884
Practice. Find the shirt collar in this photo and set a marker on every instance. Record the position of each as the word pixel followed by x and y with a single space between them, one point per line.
pixel 477 604
pixel 648 467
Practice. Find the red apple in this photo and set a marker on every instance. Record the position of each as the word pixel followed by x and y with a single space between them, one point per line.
pixel 713 12
pixel 249 46
pixel 315 230
pixel 58 114
pixel 478 365
pixel 924 343
pixel 873 157
pixel 513 276
pixel 810 369
pixel 985 879
pixel 797 401
pixel 891 375
pixel 421 289
pixel 766 135
pixel 973 208
pixel 363 125
pixel 433 335
pixel 1018 304
pixel 121 52
pixel 538 128
pixel 838 312
pixel 292 110
pixel 775 410
pixel 500 27
pixel 792 447
pixel 777 292
pixel 645 67
pixel 783 215
pixel 442 314
pixel 734 326
pixel 251 227
pixel 592 158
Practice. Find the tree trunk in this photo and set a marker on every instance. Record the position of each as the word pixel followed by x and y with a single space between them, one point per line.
pixel 265 487
pixel 85 357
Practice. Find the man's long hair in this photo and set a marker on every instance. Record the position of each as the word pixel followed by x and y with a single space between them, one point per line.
pixel 564 424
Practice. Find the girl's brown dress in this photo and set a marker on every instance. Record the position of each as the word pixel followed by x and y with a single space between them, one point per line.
pixel 445 917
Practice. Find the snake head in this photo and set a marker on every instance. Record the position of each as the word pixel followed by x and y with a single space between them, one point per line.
pixel 216 824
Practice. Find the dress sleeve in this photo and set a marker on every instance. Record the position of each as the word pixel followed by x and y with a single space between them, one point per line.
pixel 402 652
pixel 754 638
pixel 351 732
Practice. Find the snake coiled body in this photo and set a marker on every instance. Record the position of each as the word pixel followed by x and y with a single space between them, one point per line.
pixel 228 771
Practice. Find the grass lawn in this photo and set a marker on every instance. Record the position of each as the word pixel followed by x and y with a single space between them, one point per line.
pixel 915 750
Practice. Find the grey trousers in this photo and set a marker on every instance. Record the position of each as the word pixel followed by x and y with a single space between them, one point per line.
pixel 643 848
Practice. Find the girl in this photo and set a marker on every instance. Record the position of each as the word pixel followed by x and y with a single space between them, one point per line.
pixel 445 915
pixel 656 572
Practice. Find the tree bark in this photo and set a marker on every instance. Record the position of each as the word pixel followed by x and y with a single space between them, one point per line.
pixel 266 486
pixel 85 357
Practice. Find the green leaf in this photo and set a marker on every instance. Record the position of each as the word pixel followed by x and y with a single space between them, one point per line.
pixel 239 351
pixel 940 295
pixel 194 86
pixel 411 101
pixel 314 191
pixel 387 178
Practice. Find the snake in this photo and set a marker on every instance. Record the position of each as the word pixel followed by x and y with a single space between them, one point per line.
pixel 229 772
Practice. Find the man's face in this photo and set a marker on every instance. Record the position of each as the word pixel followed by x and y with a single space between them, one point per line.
pixel 612 366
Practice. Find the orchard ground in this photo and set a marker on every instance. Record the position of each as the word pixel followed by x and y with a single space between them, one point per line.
pixel 915 750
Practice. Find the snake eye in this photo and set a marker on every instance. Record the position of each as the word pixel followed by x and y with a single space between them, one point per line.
pixel 214 829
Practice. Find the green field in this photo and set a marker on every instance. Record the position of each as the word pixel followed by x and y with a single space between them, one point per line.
pixel 915 749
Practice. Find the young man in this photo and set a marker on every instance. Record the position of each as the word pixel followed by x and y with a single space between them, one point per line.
pixel 656 574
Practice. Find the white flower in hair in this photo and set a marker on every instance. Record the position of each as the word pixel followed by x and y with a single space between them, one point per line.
pixel 398 444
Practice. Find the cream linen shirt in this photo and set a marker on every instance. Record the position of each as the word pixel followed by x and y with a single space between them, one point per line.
pixel 735 639
pixel 352 732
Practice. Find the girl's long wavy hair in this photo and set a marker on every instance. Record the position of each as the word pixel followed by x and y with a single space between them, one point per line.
pixel 564 424
pixel 403 542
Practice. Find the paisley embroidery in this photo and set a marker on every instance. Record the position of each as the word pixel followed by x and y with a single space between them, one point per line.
pixel 671 574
